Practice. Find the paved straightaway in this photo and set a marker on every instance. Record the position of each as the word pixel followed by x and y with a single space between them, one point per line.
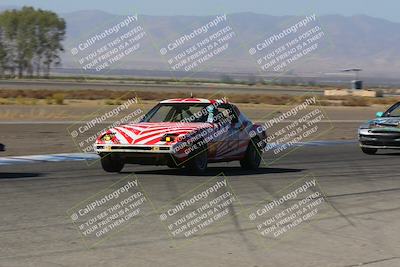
pixel 362 227
pixel 127 86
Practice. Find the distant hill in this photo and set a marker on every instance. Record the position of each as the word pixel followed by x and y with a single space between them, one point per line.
pixel 357 41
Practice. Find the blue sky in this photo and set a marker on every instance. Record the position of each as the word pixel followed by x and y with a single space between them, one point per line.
pixel 387 9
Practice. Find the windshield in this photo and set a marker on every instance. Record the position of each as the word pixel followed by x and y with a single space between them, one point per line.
pixel 393 111
pixel 181 112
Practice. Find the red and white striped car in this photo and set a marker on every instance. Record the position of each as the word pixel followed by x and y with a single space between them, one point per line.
pixel 188 132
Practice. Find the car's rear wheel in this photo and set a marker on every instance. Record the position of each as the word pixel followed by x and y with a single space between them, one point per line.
pixel 111 163
pixel 369 151
pixel 198 161
pixel 252 158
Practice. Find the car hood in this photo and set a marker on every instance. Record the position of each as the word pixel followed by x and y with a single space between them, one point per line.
pixel 382 124
pixel 149 133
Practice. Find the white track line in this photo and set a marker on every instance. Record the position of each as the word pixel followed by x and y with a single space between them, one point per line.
pixel 47 158
pixel 91 156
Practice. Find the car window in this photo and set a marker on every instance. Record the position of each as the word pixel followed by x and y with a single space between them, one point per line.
pixel 161 115
pixel 224 113
pixel 178 113
pixel 393 111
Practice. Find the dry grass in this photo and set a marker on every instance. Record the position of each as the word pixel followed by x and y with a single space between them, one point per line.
pixel 58 98
pixel 31 97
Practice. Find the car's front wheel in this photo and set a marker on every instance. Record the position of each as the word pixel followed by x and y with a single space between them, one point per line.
pixel 198 161
pixel 111 163
pixel 252 158
pixel 173 164
pixel 369 151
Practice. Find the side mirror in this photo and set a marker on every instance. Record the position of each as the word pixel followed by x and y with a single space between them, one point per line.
pixel 379 114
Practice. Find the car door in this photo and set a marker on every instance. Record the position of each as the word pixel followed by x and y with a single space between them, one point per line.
pixel 225 134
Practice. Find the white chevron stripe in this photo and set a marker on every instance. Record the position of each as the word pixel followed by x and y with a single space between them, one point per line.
pixel 159 134
pixel 120 137
pixel 127 132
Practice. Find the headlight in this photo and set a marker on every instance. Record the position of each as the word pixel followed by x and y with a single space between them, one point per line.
pixel 168 138
pixel 107 137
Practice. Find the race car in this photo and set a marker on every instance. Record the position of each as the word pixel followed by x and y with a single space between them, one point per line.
pixel 185 132
pixel 382 132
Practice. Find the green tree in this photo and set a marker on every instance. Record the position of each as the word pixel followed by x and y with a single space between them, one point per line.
pixel 30 39
pixel 50 34
pixel 3 56
pixel 8 26
pixel 25 40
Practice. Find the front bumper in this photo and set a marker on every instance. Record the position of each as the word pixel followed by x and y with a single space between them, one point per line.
pixel 141 154
pixel 385 139
pixel 119 148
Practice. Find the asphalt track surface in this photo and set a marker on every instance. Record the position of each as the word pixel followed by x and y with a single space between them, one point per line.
pixel 126 86
pixel 361 227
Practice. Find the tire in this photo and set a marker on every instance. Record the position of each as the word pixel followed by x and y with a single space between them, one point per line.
pixel 171 163
pixel 369 151
pixel 111 163
pixel 198 162
pixel 252 158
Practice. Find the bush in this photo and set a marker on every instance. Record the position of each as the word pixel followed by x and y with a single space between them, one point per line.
pixel 20 100
pixel 359 101
pixel 379 93
pixel 109 102
pixel 58 98
pixel 49 100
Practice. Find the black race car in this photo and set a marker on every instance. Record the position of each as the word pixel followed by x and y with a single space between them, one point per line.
pixel 382 132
